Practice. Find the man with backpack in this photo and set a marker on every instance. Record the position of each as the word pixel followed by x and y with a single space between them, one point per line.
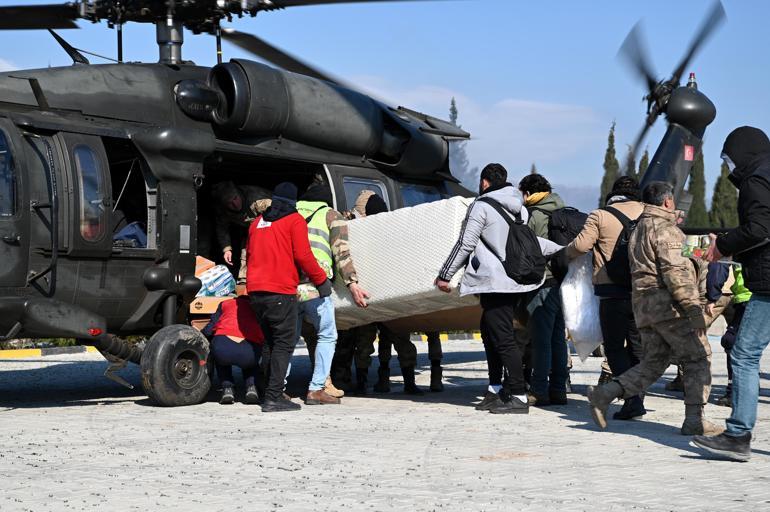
pixel 546 321
pixel 669 313
pixel 503 260
pixel 606 232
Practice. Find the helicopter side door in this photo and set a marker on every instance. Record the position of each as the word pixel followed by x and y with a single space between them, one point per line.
pixel 14 209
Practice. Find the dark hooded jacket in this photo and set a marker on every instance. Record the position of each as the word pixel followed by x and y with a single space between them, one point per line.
pixel 749 243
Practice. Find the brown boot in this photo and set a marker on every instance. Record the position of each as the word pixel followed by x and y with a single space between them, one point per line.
pixel 331 390
pixel 600 399
pixel 696 424
pixel 320 397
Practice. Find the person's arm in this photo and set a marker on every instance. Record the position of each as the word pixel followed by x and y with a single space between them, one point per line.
pixel 716 277
pixel 756 229
pixel 303 256
pixel 470 235
pixel 547 247
pixel 587 238
pixel 222 228
pixel 338 239
pixel 678 274
pixel 208 331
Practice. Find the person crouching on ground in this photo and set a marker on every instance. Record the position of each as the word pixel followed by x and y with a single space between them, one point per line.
pixel 482 247
pixel 668 312
pixel 277 246
pixel 236 340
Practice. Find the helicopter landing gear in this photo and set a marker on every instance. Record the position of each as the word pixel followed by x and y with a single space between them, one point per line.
pixel 175 368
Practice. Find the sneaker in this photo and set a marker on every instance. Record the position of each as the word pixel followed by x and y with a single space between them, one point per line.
pixel 280 405
pixel 723 446
pixel 511 406
pixel 320 397
pixel 228 396
pixel 252 397
pixel 632 408
pixel 490 399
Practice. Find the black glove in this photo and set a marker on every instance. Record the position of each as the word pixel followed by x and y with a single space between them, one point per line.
pixel 325 288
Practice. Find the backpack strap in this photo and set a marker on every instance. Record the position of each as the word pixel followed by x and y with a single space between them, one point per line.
pixel 622 218
pixel 502 211
pixel 547 213
pixel 310 217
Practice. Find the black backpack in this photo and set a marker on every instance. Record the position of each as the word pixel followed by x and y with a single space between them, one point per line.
pixel 524 261
pixel 564 225
pixel 619 266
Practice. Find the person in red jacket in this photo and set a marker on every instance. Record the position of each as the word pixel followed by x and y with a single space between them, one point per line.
pixel 236 340
pixel 277 246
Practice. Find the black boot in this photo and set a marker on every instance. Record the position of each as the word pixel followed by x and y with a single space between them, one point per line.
pixel 383 380
pixel 410 388
pixel 436 374
pixel 252 395
pixel 361 377
pixel 632 408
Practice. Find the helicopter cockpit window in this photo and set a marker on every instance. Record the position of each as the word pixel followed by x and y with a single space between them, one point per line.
pixel 92 206
pixel 7 179
pixel 413 194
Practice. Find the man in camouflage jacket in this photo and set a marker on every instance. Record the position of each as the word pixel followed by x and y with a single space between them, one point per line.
pixel 669 314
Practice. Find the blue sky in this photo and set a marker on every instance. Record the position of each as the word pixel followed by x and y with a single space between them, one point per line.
pixel 535 81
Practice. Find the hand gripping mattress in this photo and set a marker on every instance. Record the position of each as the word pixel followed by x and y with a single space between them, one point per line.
pixel 397 256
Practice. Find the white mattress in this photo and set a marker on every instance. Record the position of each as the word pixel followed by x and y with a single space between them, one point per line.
pixel 397 256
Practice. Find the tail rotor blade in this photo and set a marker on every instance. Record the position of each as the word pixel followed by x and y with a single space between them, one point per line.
pixel 635 53
pixel 710 24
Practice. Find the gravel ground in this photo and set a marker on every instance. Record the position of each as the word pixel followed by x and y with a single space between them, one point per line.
pixel 73 440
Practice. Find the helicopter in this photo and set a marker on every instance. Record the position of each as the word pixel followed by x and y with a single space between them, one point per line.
pixel 80 144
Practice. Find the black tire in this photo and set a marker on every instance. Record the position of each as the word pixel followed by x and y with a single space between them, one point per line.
pixel 174 366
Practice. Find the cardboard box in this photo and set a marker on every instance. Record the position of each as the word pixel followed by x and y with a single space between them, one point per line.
pixel 202 265
pixel 206 305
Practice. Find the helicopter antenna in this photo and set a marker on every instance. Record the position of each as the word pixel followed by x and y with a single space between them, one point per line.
pixel 75 55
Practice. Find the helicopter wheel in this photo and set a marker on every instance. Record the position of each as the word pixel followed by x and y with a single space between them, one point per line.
pixel 175 369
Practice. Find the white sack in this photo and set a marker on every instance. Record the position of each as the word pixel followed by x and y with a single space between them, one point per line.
pixel 397 256
pixel 581 306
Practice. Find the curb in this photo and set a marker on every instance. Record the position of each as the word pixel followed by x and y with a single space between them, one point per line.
pixel 21 353
pixel 449 337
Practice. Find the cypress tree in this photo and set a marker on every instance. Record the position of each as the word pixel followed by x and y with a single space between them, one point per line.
pixel 611 166
pixel 644 163
pixel 696 187
pixel 630 169
pixel 533 169
pixel 724 203
pixel 458 157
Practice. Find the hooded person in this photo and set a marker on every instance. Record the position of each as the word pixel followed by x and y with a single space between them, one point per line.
pixel 746 152
pixel 328 235
pixel 234 206
pixel 479 248
pixel 277 249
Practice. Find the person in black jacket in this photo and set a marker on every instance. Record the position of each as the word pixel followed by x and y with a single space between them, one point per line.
pixel 747 153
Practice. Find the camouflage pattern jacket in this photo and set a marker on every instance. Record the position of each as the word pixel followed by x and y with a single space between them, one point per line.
pixel 664 283
pixel 338 239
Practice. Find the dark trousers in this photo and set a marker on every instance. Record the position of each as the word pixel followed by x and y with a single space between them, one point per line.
pixel 500 343
pixel 277 315
pixel 548 341
pixel 622 342
pixel 402 341
pixel 435 352
pixel 728 339
pixel 228 353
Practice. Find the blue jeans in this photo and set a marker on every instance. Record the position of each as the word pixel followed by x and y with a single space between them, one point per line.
pixel 320 314
pixel 753 337
pixel 549 344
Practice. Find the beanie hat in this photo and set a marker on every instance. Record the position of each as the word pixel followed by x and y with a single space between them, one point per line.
pixel 375 205
pixel 286 192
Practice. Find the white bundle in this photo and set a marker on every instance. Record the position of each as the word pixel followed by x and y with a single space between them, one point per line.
pixel 581 306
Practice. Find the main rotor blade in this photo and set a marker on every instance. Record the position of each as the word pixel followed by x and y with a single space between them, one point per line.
pixel 274 55
pixel 714 19
pixel 280 4
pixel 634 149
pixel 635 52
pixel 27 17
